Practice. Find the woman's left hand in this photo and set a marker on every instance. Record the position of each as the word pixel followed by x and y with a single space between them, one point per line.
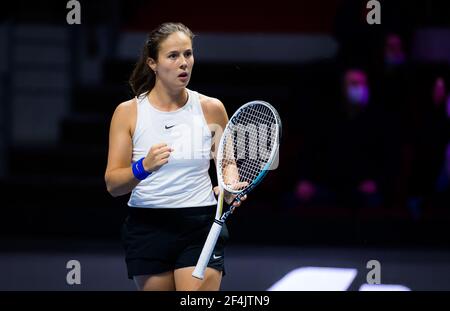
pixel 229 197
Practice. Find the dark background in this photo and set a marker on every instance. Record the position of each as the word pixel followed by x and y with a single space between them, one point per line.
pixel 60 84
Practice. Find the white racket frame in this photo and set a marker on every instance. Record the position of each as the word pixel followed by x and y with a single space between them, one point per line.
pixel 220 218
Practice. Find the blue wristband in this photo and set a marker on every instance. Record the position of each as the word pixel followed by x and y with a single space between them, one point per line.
pixel 138 170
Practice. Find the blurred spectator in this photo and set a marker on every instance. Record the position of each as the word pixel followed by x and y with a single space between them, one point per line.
pixel 352 164
pixel 395 77
pixel 356 91
pixel 439 91
pixel 394 52
pixel 349 168
pixel 441 197
pixel 428 176
pixel 395 81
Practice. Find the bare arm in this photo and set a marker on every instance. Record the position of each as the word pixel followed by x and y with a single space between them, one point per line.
pixel 119 175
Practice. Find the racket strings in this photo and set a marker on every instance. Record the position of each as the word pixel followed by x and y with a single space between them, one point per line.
pixel 249 142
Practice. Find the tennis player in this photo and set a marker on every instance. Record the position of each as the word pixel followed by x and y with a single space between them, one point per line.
pixel 160 147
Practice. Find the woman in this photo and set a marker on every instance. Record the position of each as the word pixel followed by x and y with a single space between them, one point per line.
pixel 159 150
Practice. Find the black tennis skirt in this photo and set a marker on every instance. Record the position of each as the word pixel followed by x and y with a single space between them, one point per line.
pixel 157 240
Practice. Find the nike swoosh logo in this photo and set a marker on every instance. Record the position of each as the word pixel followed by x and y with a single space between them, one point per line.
pixel 169 127
pixel 216 257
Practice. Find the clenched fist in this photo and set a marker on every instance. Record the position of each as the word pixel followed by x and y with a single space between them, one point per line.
pixel 157 156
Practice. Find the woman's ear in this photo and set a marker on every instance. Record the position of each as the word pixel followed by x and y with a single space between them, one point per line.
pixel 151 63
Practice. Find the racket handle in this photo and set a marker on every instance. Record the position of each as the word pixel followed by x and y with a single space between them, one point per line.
pixel 207 250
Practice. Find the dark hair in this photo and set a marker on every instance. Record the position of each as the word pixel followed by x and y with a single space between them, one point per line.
pixel 142 79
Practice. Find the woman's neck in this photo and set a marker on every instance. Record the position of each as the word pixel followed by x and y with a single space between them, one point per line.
pixel 167 100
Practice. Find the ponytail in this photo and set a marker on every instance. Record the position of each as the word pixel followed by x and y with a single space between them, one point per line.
pixel 142 79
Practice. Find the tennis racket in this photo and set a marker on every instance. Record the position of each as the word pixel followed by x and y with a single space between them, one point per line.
pixel 248 149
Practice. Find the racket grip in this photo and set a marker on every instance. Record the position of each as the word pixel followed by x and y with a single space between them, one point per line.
pixel 207 250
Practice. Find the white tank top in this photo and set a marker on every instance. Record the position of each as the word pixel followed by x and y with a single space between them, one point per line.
pixel 184 181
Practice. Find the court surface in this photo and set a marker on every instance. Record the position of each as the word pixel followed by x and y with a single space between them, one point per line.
pixel 41 265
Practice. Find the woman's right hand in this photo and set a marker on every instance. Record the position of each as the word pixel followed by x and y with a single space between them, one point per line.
pixel 157 156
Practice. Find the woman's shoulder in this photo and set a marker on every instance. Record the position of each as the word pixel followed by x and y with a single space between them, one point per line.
pixel 211 104
pixel 125 113
pixel 126 109
pixel 213 110
pixel 127 105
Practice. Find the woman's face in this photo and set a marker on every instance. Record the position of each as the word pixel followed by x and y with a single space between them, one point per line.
pixel 175 61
